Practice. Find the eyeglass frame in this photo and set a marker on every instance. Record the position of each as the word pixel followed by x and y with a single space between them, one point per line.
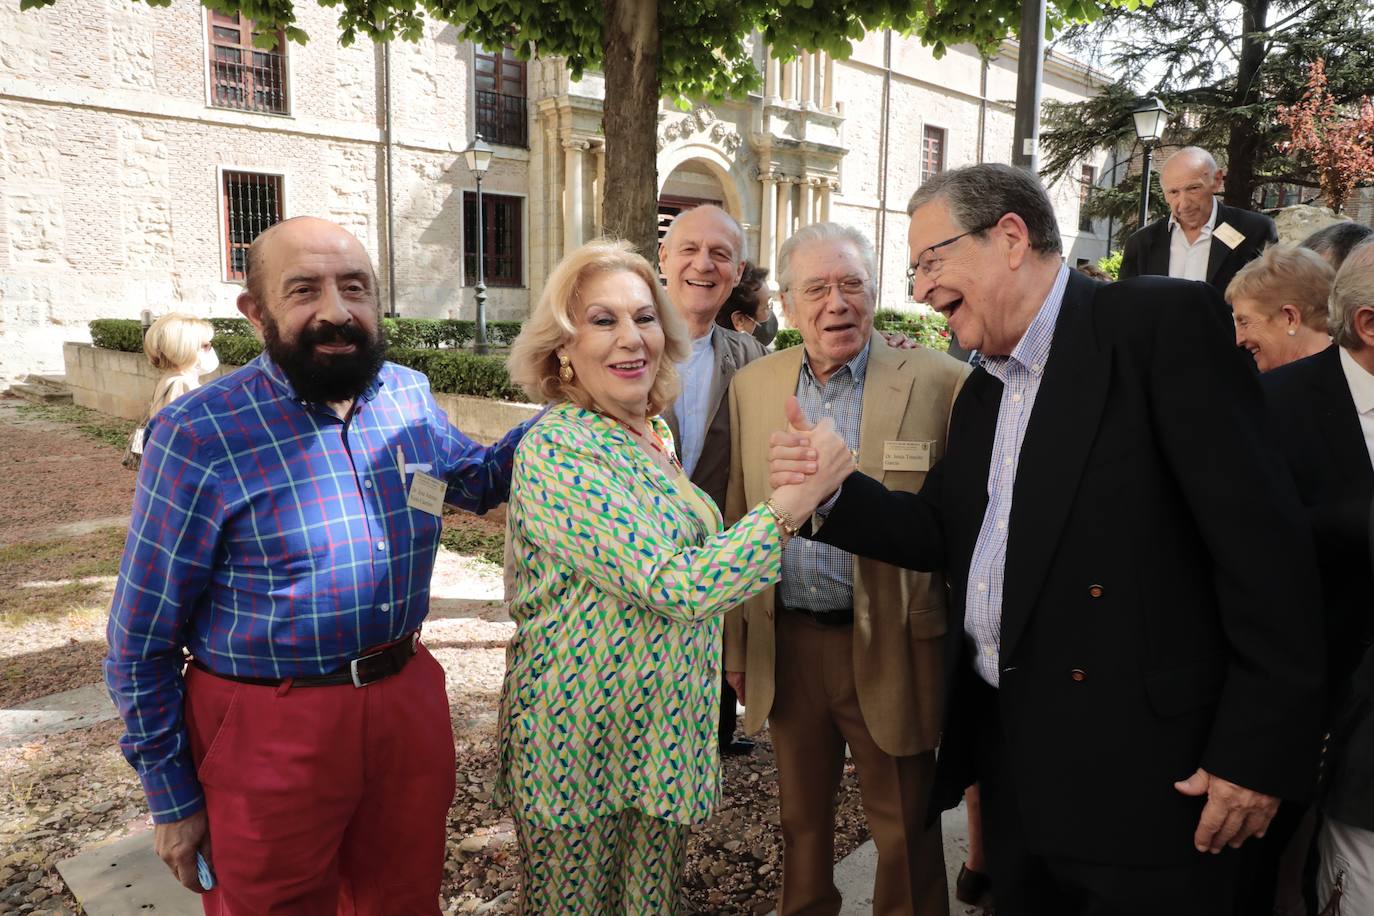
pixel 830 287
pixel 912 271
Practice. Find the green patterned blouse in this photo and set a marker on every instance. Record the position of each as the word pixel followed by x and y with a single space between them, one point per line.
pixel 612 685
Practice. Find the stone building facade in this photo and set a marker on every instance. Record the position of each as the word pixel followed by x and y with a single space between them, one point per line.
pixel 128 163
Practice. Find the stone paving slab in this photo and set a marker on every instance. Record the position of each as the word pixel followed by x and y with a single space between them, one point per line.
pixel 126 878
pixel 54 714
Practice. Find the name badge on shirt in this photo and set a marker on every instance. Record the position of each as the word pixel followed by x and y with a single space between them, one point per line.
pixel 1230 236
pixel 902 455
pixel 427 494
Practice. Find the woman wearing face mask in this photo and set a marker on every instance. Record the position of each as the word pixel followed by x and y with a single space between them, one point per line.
pixel 748 309
pixel 179 345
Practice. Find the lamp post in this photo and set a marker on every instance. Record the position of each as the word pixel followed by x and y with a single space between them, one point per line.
pixel 478 157
pixel 1150 118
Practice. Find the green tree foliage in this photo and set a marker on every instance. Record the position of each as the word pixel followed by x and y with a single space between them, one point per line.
pixel 1223 67
pixel 682 49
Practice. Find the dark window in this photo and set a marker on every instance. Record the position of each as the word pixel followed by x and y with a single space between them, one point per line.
pixel 502 243
pixel 500 83
pixel 932 152
pixel 242 76
pixel 1087 187
pixel 252 202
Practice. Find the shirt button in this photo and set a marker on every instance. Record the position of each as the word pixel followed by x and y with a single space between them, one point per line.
pixel 827 405
pixel 368 484
pixel 1006 462
pixel 385 607
pixel 381 545
pixel 1001 526
pixel 813 589
pixel 988 651
pixel 1016 398
pixel 1035 367
pixel 982 586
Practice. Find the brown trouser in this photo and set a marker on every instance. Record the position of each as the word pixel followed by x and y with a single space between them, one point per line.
pixel 815 713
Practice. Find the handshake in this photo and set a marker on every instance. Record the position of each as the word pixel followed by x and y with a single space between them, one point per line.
pixel 806 462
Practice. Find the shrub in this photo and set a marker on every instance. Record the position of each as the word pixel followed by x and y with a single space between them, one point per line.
pixel 235 349
pixel 455 372
pixel 787 337
pixel 118 334
pixel 503 333
pixel 1112 263
pixel 232 327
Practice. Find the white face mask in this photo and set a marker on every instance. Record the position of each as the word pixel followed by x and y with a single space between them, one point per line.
pixel 207 362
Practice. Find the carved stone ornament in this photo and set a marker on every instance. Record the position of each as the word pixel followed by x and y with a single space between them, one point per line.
pixel 701 121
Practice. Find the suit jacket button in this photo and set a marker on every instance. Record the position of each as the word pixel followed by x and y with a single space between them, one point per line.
pixel 1078 675
pixel 1095 591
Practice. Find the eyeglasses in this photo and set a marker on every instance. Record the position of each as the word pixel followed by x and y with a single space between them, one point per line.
pixel 850 288
pixel 929 263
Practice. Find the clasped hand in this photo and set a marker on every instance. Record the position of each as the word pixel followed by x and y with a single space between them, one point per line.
pixel 807 462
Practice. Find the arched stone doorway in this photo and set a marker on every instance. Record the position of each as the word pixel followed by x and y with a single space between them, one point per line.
pixel 694 181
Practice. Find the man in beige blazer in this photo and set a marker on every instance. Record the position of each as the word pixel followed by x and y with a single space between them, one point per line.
pixel 845 650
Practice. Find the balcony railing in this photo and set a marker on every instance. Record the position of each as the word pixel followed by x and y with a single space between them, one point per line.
pixel 501 118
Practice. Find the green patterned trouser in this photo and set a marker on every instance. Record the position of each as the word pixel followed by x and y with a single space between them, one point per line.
pixel 627 863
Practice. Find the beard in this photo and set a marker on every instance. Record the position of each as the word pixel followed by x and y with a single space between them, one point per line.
pixel 324 378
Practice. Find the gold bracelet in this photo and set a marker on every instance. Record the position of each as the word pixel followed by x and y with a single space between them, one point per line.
pixel 786 522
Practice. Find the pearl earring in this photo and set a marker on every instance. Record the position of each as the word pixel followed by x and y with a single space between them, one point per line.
pixel 1292 332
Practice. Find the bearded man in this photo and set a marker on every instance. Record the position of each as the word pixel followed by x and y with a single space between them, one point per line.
pixel 284 531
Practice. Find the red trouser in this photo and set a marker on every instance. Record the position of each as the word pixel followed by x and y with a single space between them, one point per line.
pixel 325 800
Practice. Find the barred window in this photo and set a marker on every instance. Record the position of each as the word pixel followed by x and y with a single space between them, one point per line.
pixel 502 242
pixel 500 95
pixel 252 202
pixel 242 76
pixel 1087 188
pixel 932 152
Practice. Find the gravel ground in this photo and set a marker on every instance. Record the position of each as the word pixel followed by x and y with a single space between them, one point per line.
pixel 62 502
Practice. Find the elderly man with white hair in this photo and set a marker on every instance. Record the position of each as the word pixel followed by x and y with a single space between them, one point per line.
pixel 1202 238
pixel 845 650
pixel 1323 410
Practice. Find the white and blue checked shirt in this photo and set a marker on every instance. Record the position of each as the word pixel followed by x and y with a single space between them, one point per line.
pixel 1020 375
pixel 816 576
pixel 691 403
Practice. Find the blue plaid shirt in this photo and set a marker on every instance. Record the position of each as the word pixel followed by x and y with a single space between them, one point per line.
pixel 1020 375
pixel 272 539
pixel 816 576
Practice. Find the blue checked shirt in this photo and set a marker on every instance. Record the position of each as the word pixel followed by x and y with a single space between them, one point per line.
pixel 272 539
pixel 1020 375
pixel 816 576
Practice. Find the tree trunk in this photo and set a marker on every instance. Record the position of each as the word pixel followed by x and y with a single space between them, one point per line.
pixel 1244 143
pixel 630 122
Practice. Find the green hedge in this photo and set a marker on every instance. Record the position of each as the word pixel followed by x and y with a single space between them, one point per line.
pixel 117 334
pixel 455 372
pixel 787 337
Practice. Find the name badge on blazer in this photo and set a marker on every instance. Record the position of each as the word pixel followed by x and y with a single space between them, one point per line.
pixel 427 494
pixel 1229 235
pixel 908 455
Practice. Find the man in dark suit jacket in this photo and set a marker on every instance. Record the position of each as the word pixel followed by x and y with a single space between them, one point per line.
pixel 1322 408
pixel 1202 239
pixel 1129 687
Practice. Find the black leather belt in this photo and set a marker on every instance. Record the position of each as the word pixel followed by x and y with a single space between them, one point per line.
pixel 374 666
pixel 841 617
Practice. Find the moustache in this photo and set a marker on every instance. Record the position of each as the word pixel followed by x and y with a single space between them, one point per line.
pixel 315 335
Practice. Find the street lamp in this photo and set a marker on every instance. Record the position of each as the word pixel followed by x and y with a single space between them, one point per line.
pixel 1150 117
pixel 478 157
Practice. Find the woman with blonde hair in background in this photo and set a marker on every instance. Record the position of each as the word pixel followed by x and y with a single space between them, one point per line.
pixel 607 737
pixel 179 345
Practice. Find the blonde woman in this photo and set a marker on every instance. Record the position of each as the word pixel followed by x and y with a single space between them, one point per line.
pixel 179 345
pixel 1278 301
pixel 622 572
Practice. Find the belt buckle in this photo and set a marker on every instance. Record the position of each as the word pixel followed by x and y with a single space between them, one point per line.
pixel 353 669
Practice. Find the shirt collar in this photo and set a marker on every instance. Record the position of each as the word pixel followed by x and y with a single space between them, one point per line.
pixel 1033 349
pixel 704 341
pixel 858 367
pixel 1360 381
pixel 268 367
pixel 1206 227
